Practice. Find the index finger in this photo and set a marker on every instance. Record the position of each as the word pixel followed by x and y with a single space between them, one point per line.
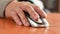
pixel 39 11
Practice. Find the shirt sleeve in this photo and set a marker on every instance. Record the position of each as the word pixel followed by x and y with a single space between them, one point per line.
pixel 3 4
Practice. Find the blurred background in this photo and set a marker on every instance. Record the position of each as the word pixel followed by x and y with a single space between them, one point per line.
pixel 52 5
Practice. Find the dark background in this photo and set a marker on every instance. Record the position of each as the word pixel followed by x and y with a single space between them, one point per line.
pixel 54 3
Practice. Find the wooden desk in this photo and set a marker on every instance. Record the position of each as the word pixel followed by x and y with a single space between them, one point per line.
pixel 9 27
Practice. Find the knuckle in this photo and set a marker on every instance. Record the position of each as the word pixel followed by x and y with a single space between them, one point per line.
pixel 28 7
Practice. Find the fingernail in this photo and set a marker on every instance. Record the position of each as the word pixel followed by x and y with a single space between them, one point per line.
pixel 39 21
pixel 19 23
pixel 27 24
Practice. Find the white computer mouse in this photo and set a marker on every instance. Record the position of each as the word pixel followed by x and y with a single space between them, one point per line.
pixel 34 24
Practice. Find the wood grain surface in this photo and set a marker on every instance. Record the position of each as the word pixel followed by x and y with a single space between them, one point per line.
pixel 7 26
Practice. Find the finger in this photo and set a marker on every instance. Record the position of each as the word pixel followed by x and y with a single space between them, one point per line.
pixel 32 13
pixel 39 11
pixel 22 16
pixel 16 18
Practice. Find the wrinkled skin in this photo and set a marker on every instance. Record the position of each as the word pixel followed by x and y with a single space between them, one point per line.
pixel 15 11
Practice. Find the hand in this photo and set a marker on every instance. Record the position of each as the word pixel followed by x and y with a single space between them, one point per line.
pixel 15 10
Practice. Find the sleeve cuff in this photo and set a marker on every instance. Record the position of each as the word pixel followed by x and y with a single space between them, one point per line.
pixel 3 4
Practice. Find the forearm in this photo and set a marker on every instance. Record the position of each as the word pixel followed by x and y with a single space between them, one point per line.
pixel 3 4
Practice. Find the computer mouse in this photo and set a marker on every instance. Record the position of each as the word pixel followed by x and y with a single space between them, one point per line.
pixel 35 24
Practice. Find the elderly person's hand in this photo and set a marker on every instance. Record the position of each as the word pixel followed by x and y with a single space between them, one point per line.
pixel 15 10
